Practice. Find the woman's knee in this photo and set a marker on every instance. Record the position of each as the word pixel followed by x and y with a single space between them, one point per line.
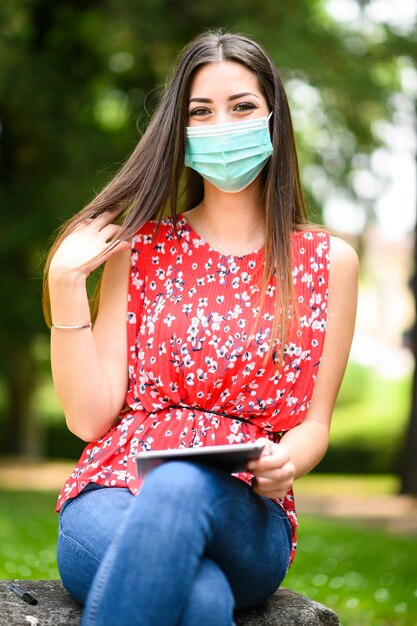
pixel 211 601
pixel 184 480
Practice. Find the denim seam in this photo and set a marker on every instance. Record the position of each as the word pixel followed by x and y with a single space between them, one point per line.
pixel 99 585
pixel 78 544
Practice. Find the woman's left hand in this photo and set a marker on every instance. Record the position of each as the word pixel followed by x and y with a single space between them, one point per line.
pixel 274 472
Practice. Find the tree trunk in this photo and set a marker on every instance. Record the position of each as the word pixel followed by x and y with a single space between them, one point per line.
pixel 409 456
pixel 408 470
pixel 24 430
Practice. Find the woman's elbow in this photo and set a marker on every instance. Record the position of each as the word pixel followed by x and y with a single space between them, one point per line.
pixel 86 431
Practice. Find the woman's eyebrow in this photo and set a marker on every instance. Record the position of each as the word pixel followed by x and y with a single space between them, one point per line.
pixel 234 97
pixel 242 95
pixel 207 100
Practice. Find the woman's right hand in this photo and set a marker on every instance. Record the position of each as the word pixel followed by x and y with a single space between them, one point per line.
pixel 86 248
pixel 90 368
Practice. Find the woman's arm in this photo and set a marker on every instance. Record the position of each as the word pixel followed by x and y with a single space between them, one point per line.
pixel 302 447
pixel 89 368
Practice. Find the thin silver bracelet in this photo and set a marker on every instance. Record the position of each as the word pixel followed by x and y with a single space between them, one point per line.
pixel 89 325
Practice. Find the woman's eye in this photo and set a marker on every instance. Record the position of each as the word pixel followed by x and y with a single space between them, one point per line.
pixel 245 106
pixel 199 111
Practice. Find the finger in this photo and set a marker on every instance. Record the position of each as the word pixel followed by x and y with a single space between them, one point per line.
pixel 83 223
pixel 100 221
pixel 276 460
pixel 97 222
pixel 110 231
pixel 267 443
pixel 270 488
pixel 265 452
pixel 284 475
pixel 272 475
pixel 273 493
pixel 105 254
pixel 280 476
pixel 116 246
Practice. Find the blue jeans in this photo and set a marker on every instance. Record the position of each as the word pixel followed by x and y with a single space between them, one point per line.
pixel 195 544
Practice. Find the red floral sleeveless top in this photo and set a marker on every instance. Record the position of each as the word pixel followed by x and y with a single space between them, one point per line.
pixel 197 344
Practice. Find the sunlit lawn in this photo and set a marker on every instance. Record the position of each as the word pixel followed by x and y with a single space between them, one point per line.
pixel 368 577
pixel 28 528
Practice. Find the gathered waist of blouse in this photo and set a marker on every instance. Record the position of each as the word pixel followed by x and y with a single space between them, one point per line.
pixel 216 412
pixel 262 420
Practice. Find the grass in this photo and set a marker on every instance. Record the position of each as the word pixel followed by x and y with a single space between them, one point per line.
pixel 28 528
pixel 367 576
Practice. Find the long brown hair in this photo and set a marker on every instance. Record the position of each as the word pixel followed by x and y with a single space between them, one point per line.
pixel 154 177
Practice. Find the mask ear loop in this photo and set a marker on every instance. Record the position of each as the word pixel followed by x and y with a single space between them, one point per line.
pixel 268 126
pixel 267 122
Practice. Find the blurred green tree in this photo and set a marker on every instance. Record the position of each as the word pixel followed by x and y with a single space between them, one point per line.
pixel 76 74
pixel 408 467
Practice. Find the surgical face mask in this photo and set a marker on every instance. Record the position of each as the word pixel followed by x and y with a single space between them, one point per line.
pixel 230 156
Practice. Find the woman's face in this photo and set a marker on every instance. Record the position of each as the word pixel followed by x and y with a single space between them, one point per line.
pixel 225 92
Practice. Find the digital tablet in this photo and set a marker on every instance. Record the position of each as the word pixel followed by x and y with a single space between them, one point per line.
pixel 231 458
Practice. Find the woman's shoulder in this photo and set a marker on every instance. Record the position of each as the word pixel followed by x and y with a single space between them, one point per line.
pixel 344 269
pixel 310 233
pixel 344 261
pixel 310 243
pixel 341 251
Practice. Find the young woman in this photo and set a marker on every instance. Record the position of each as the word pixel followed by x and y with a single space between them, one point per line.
pixel 228 322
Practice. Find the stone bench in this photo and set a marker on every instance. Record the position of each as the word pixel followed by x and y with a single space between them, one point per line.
pixel 56 608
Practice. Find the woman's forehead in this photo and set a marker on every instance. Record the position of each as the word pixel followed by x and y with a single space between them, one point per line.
pixel 213 80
